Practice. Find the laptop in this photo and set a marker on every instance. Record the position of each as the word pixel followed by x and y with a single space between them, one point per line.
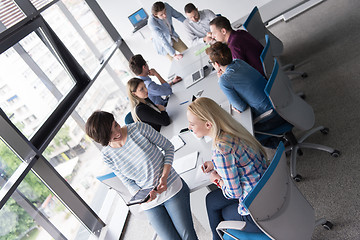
pixel 194 78
pixel 138 19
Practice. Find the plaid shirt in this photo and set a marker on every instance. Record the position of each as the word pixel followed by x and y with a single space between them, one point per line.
pixel 239 166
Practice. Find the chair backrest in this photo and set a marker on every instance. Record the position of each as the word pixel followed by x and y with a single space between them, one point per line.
pixel 286 103
pixel 255 26
pixel 128 118
pixel 277 206
pixel 266 58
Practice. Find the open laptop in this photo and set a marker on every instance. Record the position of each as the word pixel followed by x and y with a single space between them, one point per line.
pixel 138 19
pixel 194 78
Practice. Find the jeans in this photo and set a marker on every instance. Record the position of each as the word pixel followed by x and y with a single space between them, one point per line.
pixel 172 219
pixel 221 209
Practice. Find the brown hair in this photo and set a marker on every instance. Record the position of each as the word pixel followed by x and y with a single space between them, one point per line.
pixel 131 87
pixel 221 22
pixel 136 64
pixel 219 52
pixel 157 7
pixel 98 127
pixel 189 8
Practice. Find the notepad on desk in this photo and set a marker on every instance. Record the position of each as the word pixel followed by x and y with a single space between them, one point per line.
pixel 178 142
pixel 185 163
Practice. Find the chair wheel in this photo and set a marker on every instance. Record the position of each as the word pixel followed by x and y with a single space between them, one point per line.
pixel 336 153
pixel 304 75
pixel 325 131
pixel 300 152
pixel 328 225
pixel 297 178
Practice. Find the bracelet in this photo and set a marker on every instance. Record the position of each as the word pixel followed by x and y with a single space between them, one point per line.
pixel 217 182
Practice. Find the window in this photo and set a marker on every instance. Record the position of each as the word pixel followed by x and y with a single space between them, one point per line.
pixel 57 66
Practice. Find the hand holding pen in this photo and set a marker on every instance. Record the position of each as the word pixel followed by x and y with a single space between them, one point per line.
pixel 207 167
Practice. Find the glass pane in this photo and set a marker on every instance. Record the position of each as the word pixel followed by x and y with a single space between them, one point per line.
pixel 33 82
pixel 40 3
pixel 10 14
pixel 81 32
pixel 32 201
pixel 9 162
pixel 91 25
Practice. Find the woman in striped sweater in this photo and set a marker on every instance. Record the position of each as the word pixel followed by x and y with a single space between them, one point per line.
pixel 134 153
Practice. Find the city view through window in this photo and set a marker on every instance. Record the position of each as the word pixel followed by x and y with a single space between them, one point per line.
pixel 33 82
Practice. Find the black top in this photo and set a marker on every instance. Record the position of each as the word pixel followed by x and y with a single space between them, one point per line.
pixel 148 115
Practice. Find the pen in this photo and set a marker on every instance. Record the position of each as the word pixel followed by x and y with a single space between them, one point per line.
pixel 184 102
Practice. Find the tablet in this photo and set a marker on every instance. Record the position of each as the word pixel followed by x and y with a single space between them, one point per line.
pixel 140 196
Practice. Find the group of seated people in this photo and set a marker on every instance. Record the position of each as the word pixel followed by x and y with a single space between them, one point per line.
pixel 141 157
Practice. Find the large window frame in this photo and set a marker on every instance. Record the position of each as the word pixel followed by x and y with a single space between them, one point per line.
pixel 31 150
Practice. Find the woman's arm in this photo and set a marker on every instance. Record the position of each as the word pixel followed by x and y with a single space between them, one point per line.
pixel 225 166
pixel 148 114
pixel 159 140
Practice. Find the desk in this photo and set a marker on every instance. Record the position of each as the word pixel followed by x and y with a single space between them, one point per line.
pixel 209 85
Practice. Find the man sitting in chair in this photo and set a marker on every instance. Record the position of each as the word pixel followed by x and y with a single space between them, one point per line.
pixel 242 45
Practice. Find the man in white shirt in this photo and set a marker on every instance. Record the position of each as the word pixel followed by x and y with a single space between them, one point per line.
pixel 197 24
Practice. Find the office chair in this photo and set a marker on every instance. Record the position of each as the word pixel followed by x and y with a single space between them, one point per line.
pixel 277 207
pixel 128 118
pixel 297 113
pixel 255 26
pixel 113 182
pixel 267 61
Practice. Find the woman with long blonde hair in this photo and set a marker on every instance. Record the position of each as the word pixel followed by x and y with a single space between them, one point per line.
pixel 238 162
pixel 142 108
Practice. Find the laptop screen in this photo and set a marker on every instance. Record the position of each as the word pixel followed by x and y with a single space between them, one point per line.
pixel 138 16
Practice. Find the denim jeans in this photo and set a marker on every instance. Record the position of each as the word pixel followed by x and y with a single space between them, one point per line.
pixel 221 209
pixel 172 219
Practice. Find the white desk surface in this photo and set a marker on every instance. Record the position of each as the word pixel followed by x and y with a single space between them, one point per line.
pixel 184 67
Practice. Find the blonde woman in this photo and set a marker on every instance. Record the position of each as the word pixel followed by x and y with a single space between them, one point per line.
pixel 142 108
pixel 238 162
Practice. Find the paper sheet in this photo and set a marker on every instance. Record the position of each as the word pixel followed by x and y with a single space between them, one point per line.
pixel 177 142
pixel 185 163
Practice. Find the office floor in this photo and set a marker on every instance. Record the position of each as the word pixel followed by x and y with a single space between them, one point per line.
pixel 324 42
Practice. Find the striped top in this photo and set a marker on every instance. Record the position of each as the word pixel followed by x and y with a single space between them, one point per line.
pixel 139 162
pixel 239 166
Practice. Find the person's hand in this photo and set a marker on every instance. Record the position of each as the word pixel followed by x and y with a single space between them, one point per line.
pixel 153 72
pixel 162 185
pixel 208 166
pixel 208 38
pixel 160 107
pixel 214 175
pixel 178 56
pixel 233 108
pixel 152 194
pixel 176 79
pixel 219 72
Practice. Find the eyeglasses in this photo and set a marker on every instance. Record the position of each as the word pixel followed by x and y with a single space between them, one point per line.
pixel 210 62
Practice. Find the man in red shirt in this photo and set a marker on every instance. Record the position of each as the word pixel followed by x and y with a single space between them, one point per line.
pixel 241 43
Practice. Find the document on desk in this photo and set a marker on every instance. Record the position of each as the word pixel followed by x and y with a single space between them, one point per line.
pixel 185 163
pixel 178 142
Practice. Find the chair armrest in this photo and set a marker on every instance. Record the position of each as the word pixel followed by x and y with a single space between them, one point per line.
pixel 224 225
pixel 263 116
